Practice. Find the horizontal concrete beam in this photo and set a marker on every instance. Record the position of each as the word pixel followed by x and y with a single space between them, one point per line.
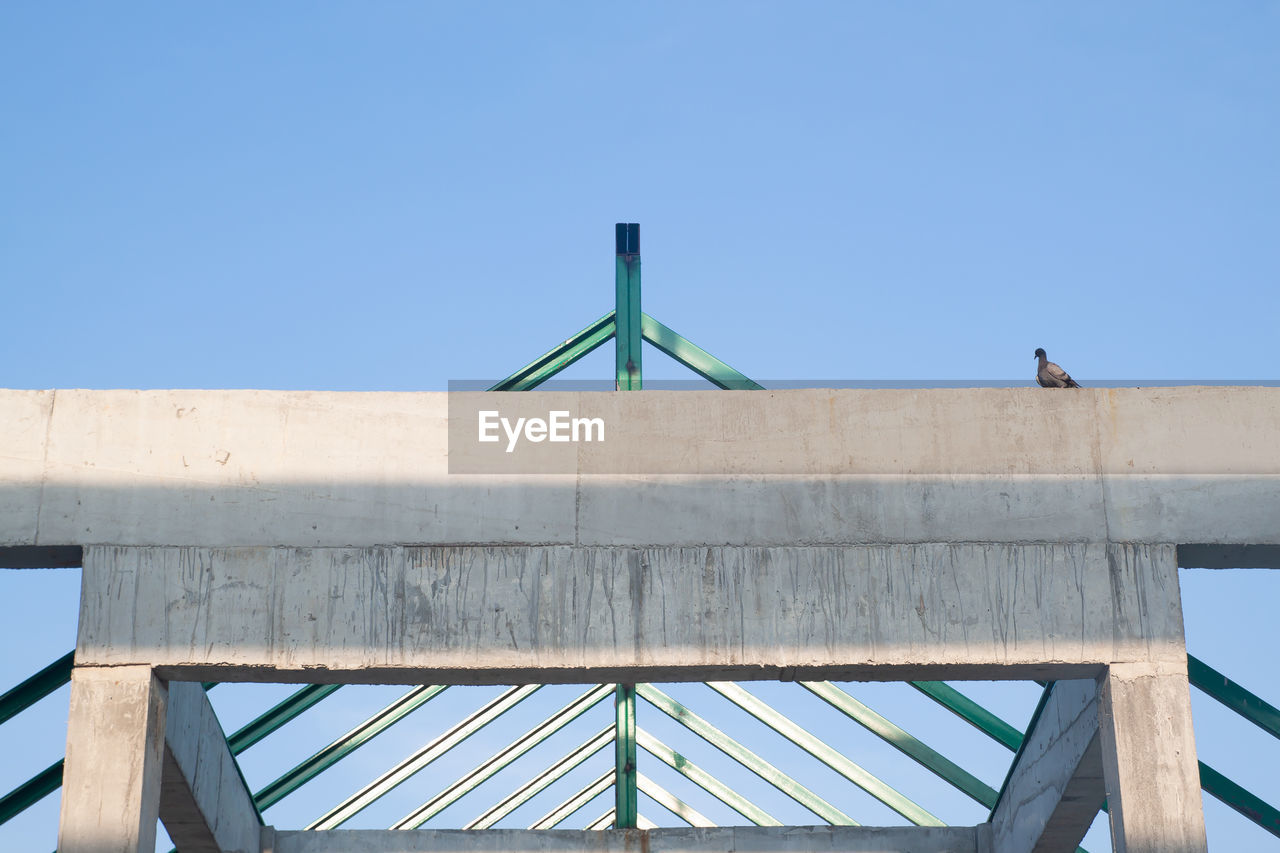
pixel 753 839
pixel 314 469
pixel 553 613
pixel 204 804
pixel 1056 786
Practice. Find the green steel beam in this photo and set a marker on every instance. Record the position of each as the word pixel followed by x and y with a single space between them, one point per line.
pixel 538 783
pixel 31 791
pixel 695 357
pixel 757 765
pixel 504 757
pixel 33 689
pixel 627 311
pixel 896 737
pixel 1245 802
pixel 1251 707
pixel 277 716
pixel 565 810
pixel 671 802
pixel 971 712
pixel 407 768
pixel 558 358
pixel 834 759
pixel 705 780
pixel 630 373
pixel 345 745
pixel 624 752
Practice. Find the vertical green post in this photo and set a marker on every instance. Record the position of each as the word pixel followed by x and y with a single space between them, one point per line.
pixel 624 744
pixel 628 337
pixel 627 312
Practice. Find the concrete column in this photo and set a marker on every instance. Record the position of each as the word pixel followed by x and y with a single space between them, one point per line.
pixel 1149 759
pixel 115 755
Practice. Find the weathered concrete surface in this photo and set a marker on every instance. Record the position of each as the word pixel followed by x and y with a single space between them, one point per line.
pixel 115 748
pixel 315 469
pixel 1149 759
pixel 762 839
pixel 25 424
pixel 203 802
pixel 511 614
pixel 1056 787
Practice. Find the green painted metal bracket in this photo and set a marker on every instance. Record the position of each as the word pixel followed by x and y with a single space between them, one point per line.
pixel 695 357
pixel 971 712
pixel 558 358
pixel 503 757
pixel 834 759
pixel 1253 708
pixel 705 780
pixel 17 699
pixel 899 739
pixel 409 767
pixel 538 783
pixel 278 715
pixel 1243 801
pixel 339 749
pixel 757 765
pixel 671 802
pixel 31 791
pixel 627 311
pixel 562 812
pixel 625 800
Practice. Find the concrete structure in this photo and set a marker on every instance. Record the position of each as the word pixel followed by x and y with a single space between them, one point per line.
pixel 1057 781
pixel 763 839
pixel 313 470
pixel 204 802
pixel 802 534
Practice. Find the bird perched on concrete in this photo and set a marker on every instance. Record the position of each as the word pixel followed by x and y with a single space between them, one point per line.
pixel 1049 375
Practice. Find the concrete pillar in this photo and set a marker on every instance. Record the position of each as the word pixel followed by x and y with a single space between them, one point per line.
pixel 115 755
pixel 1149 759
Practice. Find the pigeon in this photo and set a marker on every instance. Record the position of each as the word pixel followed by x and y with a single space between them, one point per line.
pixel 1049 375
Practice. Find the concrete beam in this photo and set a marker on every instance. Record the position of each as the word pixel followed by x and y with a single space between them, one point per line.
pixel 204 804
pixel 1056 787
pixel 312 469
pixel 549 614
pixel 115 749
pixel 762 839
pixel 1149 759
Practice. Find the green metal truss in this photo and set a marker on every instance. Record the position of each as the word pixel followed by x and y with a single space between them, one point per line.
pixel 748 759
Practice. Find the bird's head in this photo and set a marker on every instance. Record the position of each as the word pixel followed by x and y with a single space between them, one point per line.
pixel 1039 353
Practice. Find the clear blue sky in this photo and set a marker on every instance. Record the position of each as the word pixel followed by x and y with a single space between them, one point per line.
pixel 390 195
